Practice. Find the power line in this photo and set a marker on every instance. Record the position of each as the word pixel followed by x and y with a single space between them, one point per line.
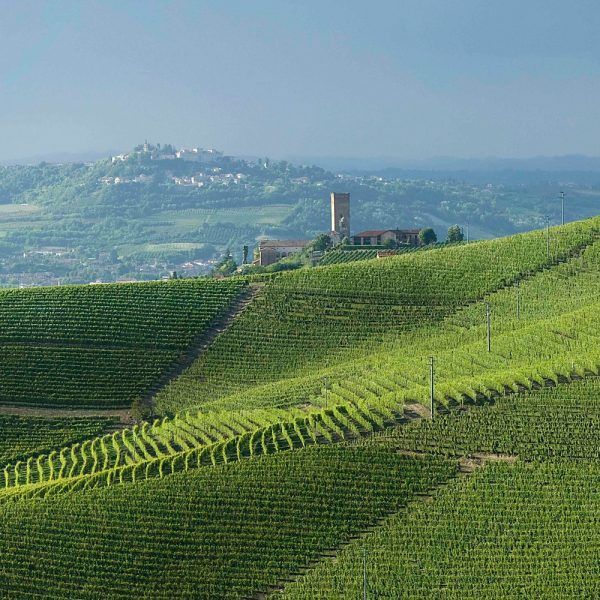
pixel 489 326
pixel 431 383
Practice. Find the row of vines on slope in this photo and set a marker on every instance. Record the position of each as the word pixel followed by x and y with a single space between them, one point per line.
pixel 102 345
pixel 332 314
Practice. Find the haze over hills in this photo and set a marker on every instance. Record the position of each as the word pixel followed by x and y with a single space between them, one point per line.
pixel 569 163
pixel 141 215
pixel 575 167
pixel 58 158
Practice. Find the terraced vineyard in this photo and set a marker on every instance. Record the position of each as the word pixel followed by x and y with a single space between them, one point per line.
pixel 565 418
pixel 352 253
pixel 303 433
pixel 302 323
pixel 509 531
pixel 177 538
pixel 335 256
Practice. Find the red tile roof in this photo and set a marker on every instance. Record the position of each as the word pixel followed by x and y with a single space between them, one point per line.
pixel 284 243
pixel 376 232
pixel 372 233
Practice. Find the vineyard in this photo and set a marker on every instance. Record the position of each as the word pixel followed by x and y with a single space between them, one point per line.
pixel 422 426
pixel 346 254
pixel 319 318
pixel 22 436
pixel 104 345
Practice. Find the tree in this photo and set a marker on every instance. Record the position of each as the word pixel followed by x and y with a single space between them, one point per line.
pixel 227 265
pixel 391 244
pixel 321 243
pixel 427 236
pixel 455 234
pixel 140 410
pixel 245 255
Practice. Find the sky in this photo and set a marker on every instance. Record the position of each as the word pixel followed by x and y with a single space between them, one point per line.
pixel 410 79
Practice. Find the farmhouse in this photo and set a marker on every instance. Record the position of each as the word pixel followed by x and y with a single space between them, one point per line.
pixel 377 237
pixel 270 251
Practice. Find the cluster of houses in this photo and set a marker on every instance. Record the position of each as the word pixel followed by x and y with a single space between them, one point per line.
pixel 197 155
pixel 271 251
pixel 142 178
pixel 213 176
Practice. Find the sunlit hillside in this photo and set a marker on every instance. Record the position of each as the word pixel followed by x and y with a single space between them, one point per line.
pixel 417 426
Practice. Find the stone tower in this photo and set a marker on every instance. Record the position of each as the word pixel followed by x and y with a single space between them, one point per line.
pixel 340 214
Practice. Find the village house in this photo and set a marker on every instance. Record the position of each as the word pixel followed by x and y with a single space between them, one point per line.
pixel 270 251
pixel 378 237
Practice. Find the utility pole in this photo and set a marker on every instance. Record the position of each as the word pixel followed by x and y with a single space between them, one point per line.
pixel 562 208
pixel 467 232
pixel 489 326
pixel 431 382
pixel 547 236
pixel 364 574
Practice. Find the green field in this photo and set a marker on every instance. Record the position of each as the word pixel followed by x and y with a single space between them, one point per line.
pixel 295 454
pixel 273 214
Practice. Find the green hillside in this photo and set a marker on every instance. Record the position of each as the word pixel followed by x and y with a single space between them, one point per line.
pixel 150 214
pixel 297 456
pixel 327 315
pixel 100 346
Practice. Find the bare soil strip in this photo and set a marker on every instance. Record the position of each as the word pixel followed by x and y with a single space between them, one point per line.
pixel 50 412
pixel 204 341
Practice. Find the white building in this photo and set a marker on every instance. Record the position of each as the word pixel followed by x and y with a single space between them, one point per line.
pixel 199 155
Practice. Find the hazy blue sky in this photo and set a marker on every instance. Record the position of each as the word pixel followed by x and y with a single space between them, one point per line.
pixel 403 78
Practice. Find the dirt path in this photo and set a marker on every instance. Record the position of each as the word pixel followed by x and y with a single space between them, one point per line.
pixel 204 341
pixel 49 412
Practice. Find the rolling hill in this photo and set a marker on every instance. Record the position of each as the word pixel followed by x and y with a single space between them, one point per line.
pixel 298 447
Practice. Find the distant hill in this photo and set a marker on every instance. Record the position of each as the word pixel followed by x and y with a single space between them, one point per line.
pixel 145 213
pixel 568 168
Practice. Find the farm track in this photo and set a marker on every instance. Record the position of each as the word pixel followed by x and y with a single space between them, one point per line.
pixel 49 412
pixel 203 342
pixel 465 467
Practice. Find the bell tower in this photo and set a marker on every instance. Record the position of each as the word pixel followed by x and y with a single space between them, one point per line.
pixel 340 214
